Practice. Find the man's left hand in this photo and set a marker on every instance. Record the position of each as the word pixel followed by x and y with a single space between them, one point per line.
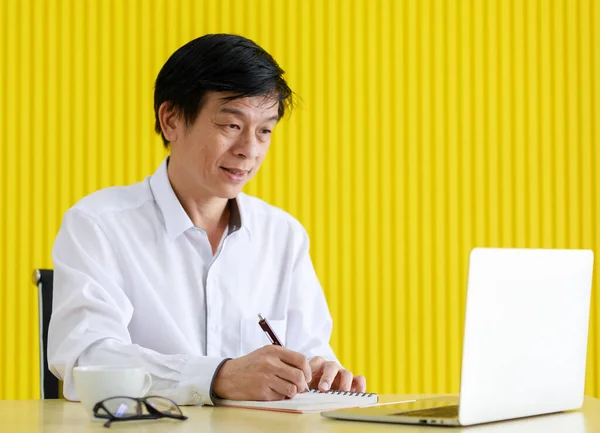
pixel 328 375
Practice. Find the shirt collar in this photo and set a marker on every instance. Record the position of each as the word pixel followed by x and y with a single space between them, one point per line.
pixel 176 219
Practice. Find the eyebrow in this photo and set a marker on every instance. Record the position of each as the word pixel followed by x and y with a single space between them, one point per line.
pixel 240 113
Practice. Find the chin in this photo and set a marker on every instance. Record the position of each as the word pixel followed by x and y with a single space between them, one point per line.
pixel 229 193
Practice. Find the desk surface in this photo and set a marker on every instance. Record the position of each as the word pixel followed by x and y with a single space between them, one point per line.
pixel 54 416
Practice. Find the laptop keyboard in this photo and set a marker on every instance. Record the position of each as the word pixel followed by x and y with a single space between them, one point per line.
pixel 435 412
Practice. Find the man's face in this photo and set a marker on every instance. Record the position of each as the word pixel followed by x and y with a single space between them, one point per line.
pixel 226 144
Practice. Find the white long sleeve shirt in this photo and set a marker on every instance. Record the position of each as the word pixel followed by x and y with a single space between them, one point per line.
pixel 136 284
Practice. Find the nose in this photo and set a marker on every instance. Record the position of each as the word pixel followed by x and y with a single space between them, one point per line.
pixel 248 146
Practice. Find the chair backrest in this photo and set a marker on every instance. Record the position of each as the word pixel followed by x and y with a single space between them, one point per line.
pixel 43 279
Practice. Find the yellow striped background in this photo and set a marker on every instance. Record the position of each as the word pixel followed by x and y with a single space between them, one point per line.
pixel 426 127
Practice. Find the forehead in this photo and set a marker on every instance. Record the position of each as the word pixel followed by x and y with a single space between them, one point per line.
pixel 263 107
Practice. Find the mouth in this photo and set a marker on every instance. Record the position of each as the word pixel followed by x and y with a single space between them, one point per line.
pixel 235 174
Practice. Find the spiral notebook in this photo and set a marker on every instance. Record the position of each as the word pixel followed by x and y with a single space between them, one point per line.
pixel 310 401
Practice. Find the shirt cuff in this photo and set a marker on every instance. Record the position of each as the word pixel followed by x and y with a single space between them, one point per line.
pixel 214 397
pixel 200 372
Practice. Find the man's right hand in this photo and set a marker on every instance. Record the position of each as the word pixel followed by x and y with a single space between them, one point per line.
pixel 269 373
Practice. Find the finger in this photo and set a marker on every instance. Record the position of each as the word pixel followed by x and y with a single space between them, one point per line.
pixel 283 387
pixel 269 394
pixel 292 375
pixel 316 363
pixel 359 384
pixel 295 359
pixel 329 373
pixel 343 381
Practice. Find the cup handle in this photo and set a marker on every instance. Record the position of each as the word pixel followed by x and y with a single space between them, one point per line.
pixel 147 383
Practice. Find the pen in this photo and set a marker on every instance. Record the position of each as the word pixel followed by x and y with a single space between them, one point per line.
pixel 264 324
pixel 269 331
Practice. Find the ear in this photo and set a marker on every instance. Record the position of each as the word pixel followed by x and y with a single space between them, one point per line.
pixel 170 121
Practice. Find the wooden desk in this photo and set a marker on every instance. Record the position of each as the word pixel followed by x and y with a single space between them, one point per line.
pixel 60 416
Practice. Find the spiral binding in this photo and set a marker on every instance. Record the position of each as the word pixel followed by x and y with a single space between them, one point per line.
pixel 348 393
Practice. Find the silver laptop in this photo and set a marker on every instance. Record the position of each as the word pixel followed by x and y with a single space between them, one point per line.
pixel 525 341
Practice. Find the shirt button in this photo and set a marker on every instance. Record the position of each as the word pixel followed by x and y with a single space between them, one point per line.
pixel 197 397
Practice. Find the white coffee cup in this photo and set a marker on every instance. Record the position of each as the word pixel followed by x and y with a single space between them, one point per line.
pixel 97 382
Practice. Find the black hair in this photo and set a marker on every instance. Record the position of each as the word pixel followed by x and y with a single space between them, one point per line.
pixel 217 63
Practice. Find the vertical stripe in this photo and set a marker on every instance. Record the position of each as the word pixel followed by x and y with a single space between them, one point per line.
pixel 5 324
pixel 10 92
pixel 594 387
pixel 450 274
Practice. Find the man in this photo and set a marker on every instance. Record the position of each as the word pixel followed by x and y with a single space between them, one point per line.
pixel 171 273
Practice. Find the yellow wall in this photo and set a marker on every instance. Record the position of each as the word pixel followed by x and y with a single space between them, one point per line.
pixel 427 127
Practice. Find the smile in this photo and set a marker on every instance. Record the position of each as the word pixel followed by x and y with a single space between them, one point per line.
pixel 235 174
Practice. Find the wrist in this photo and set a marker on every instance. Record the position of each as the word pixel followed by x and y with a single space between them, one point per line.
pixel 216 386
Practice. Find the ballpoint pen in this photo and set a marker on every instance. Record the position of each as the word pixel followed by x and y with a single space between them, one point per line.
pixel 264 324
pixel 269 331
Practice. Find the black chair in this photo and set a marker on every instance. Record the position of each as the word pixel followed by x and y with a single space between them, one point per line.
pixel 43 279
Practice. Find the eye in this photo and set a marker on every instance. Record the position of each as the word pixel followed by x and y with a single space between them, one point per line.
pixel 265 131
pixel 233 126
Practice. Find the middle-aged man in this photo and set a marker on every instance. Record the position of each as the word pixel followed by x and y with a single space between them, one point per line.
pixel 171 273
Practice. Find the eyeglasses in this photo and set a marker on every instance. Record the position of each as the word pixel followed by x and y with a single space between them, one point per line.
pixel 130 409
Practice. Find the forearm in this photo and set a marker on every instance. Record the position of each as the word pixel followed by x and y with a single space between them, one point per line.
pixel 185 379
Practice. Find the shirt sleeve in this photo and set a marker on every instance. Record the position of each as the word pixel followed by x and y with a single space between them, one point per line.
pixel 309 321
pixel 90 316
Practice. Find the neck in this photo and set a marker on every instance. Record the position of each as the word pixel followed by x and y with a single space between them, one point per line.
pixel 207 213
